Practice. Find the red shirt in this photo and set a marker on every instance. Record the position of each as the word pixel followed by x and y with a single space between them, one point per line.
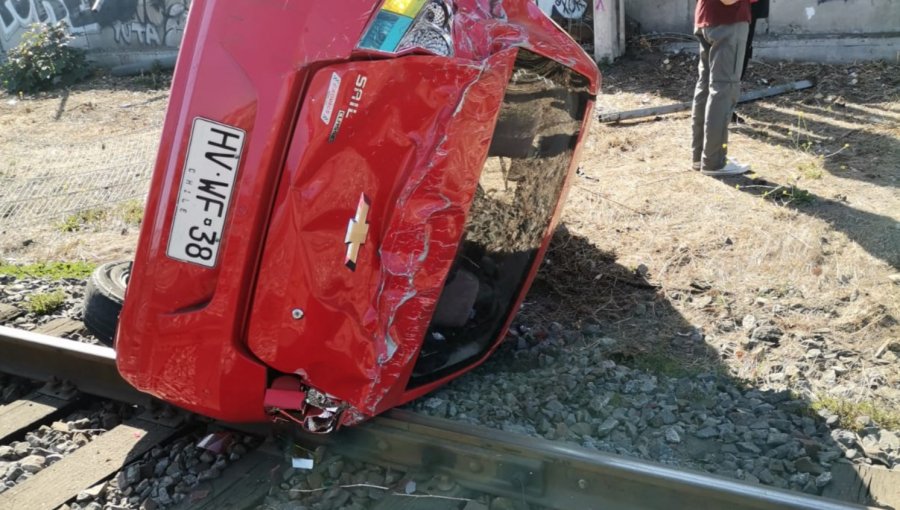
pixel 711 13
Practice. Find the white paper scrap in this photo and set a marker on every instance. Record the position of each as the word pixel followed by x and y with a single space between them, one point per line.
pixel 299 463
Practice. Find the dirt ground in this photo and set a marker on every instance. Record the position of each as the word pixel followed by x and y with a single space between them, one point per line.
pixel 105 123
pixel 788 277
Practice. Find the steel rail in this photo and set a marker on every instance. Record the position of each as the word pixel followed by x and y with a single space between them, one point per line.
pixel 549 473
pixel 90 368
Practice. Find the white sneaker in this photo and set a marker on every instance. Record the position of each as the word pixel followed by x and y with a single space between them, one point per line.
pixel 730 168
pixel 696 165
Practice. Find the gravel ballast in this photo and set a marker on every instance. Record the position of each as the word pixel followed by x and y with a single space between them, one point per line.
pixel 336 482
pixel 168 475
pixel 16 292
pixel 562 388
pixel 40 448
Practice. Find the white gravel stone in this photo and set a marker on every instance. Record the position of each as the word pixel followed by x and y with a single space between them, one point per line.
pixel 672 435
pixel 32 463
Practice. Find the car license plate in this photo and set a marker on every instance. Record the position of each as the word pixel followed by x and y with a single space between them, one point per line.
pixel 213 157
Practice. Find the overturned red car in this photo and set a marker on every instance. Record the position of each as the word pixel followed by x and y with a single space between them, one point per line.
pixel 349 203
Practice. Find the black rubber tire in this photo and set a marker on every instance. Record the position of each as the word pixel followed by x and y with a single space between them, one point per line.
pixel 103 298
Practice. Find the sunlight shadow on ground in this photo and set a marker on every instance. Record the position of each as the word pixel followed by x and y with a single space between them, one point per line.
pixel 848 147
pixel 878 235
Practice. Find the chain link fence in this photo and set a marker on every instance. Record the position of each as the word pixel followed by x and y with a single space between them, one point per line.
pixel 46 183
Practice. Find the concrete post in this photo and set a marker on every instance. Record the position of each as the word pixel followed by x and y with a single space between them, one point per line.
pixel 609 29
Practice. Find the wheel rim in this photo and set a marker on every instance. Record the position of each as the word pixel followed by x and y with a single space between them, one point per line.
pixel 121 278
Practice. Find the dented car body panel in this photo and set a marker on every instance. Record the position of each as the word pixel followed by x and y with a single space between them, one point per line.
pixel 342 222
pixel 361 326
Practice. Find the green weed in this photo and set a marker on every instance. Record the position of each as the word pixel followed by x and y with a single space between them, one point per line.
pixel 131 212
pixel 802 141
pixel 810 169
pixel 46 302
pixel 848 412
pixel 789 195
pixel 661 362
pixel 157 77
pixel 52 270
pixel 81 219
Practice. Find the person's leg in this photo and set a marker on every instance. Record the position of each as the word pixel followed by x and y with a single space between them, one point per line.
pixel 748 52
pixel 701 93
pixel 726 55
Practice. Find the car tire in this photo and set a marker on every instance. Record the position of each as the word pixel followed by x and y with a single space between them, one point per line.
pixel 103 298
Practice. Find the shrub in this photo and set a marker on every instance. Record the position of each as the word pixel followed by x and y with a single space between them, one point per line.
pixel 43 59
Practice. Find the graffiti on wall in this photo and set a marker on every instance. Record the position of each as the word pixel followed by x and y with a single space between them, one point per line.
pixel 114 23
pixel 568 9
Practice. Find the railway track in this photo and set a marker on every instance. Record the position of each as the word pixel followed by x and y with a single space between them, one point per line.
pixel 523 469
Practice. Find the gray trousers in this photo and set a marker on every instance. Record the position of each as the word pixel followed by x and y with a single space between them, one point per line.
pixel 718 90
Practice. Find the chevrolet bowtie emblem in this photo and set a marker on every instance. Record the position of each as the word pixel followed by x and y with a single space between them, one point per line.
pixel 357 228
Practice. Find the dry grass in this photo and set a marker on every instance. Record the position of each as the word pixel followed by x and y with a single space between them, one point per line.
pixel 40 132
pixel 90 126
pixel 808 241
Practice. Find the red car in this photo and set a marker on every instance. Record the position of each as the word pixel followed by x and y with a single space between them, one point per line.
pixel 349 202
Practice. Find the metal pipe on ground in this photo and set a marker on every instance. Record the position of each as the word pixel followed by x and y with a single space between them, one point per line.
pixel 752 95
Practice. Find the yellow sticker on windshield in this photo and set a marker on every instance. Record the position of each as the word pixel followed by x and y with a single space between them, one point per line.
pixel 405 7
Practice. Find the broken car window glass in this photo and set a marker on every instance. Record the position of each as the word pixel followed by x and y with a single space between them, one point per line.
pixel 518 192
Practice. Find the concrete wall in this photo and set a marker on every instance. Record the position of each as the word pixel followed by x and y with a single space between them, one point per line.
pixel 834 16
pixel 118 32
pixel 820 17
pixel 662 15
pixel 129 31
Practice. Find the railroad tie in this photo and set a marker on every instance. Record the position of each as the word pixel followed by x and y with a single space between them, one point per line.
pixel 87 466
pixel 243 485
pixel 28 413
